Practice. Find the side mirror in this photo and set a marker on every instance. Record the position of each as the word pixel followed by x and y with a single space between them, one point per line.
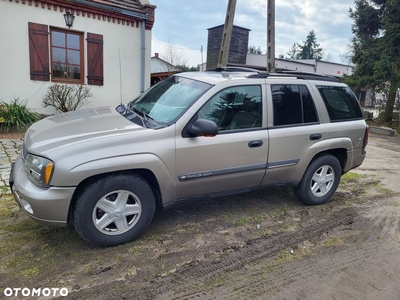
pixel 203 127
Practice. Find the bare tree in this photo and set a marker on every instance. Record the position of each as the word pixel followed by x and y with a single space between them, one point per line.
pixel 327 56
pixel 173 57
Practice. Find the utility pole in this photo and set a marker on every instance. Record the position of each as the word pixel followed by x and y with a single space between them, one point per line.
pixel 227 34
pixel 201 50
pixel 271 36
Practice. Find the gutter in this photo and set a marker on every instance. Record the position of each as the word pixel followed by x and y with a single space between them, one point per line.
pixel 142 71
pixel 112 9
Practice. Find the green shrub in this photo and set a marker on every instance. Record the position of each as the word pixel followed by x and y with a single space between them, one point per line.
pixel 16 115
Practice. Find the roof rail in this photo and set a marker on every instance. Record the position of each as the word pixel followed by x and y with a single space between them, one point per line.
pixel 282 73
pixel 233 69
pixel 312 76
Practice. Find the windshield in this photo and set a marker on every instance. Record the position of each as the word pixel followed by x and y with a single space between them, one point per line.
pixel 164 102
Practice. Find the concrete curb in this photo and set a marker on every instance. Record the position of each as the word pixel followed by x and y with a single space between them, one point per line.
pixel 383 130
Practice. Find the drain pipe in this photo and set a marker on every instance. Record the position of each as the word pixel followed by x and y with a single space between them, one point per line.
pixel 143 64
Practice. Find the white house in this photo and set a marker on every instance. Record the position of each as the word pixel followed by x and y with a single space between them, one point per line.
pixel 161 69
pixel 107 48
pixel 305 65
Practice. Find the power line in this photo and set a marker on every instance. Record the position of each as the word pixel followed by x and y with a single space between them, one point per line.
pixel 167 44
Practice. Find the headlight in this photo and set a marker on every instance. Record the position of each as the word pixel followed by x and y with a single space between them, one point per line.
pixel 40 169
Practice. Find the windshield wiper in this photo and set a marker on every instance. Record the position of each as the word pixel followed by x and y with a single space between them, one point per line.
pixel 145 118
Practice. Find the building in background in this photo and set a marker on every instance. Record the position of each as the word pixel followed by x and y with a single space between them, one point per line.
pixel 107 48
pixel 161 69
pixel 237 50
pixel 239 57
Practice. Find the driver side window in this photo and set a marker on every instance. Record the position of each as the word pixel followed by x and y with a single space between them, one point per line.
pixel 234 108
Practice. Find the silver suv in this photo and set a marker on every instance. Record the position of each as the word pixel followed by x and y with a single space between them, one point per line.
pixel 192 135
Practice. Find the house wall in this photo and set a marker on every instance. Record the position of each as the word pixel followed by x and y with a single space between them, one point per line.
pixel 119 41
pixel 260 60
pixel 333 69
pixel 159 66
pixel 305 65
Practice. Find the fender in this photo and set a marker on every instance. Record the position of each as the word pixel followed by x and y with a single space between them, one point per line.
pixel 147 161
pixel 334 143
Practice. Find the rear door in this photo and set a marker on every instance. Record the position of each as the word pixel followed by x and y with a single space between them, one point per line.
pixel 295 132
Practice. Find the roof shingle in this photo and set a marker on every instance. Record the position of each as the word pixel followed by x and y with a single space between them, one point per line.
pixel 131 5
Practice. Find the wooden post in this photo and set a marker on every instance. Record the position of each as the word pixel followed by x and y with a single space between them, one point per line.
pixel 227 34
pixel 271 36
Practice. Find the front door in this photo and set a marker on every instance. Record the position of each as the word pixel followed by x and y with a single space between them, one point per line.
pixel 234 159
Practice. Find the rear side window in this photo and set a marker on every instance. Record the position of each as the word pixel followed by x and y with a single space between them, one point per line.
pixel 293 105
pixel 340 102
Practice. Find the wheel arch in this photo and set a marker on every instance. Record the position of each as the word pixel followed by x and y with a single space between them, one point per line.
pixel 339 153
pixel 146 174
pixel 313 191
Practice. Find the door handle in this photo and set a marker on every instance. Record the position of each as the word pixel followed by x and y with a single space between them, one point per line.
pixel 316 136
pixel 255 144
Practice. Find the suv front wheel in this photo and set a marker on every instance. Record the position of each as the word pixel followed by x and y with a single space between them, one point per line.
pixel 114 210
pixel 320 180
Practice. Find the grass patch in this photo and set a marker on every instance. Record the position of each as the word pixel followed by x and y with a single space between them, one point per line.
pixel 31 272
pixel 351 176
pixel 28 248
pixel 332 242
pixel 285 256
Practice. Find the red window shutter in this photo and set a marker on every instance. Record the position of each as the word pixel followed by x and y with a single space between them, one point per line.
pixel 95 59
pixel 39 52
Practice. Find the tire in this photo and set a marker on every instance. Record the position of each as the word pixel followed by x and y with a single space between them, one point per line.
pixel 319 181
pixel 114 210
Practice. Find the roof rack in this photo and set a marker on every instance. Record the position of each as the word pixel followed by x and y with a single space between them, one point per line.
pixel 312 76
pixel 282 73
pixel 232 69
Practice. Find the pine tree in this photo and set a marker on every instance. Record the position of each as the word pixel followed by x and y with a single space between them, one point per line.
pixel 376 47
pixel 292 51
pixel 310 48
pixel 254 50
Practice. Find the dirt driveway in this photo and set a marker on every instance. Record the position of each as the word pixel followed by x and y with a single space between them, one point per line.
pixel 260 245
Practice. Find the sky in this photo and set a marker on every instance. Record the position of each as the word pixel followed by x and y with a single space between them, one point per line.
pixel 184 24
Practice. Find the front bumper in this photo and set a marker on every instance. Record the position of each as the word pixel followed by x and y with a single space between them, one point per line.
pixel 48 206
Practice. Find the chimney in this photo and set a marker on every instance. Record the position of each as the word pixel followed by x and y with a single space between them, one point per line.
pixel 156 55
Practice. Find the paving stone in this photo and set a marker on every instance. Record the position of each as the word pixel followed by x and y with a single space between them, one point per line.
pixel 9 150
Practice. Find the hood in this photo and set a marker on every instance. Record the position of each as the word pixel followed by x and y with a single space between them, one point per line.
pixel 77 127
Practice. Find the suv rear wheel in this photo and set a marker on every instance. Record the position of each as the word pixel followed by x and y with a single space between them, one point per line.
pixel 114 210
pixel 320 180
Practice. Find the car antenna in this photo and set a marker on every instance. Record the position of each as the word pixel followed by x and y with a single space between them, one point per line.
pixel 120 74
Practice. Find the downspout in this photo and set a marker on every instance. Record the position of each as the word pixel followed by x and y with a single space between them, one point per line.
pixel 143 65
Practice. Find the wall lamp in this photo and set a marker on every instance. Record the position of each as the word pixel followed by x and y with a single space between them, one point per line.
pixel 69 19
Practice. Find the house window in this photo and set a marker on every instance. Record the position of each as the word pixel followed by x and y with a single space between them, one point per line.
pixel 67 56
pixel 60 53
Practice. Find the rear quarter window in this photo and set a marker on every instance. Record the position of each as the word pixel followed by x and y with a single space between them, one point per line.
pixel 341 103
